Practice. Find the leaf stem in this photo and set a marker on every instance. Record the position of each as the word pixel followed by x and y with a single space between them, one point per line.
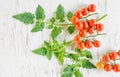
pixel 90 15
pixel 95 35
pixel 99 19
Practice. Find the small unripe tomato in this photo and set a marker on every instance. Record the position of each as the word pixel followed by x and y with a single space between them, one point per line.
pixel 100 65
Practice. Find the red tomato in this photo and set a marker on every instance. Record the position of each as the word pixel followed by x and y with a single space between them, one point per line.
pixel 116 68
pixel 79 26
pixel 106 58
pixel 81 45
pixel 91 8
pixel 78 14
pixel 91 30
pixel 84 11
pixel 112 55
pixel 85 25
pixel 74 19
pixel 88 44
pixel 119 52
pixel 92 22
pixel 77 38
pixel 96 43
pixel 99 27
pixel 107 67
pixel 82 33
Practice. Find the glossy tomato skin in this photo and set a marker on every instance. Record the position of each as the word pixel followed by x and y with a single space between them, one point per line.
pixel 107 67
pixel 99 27
pixel 100 65
pixel 78 14
pixel 106 58
pixel 112 55
pixel 81 45
pixel 74 19
pixel 88 44
pixel 96 43
pixel 77 38
pixel 85 25
pixel 84 11
pixel 79 26
pixel 118 52
pixel 92 22
pixel 116 68
pixel 91 30
pixel 82 33
pixel 92 8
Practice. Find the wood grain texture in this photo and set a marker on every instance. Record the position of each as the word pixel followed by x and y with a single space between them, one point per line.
pixel 16 40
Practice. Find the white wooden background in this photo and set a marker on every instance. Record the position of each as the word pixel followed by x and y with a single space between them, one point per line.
pixel 16 40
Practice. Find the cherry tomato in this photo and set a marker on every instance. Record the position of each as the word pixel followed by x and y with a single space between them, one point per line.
pixel 84 11
pixel 100 65
pixel 74 19
pixel 91 8
pixel 91 30
pixel 81 45
pixel 118 52
pixel 99 27
pixel 96 43
pixel 107 67
pixel 88 44
pixel 77 38
pixel 106 58
pixel 116 68
pixel 79 26
pixel 82 33
pixel 112 55
pixel 85 25
pixel 92 22
pixel 78 14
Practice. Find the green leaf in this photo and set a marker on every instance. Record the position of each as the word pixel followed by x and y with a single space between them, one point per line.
pixel 55 43
pixel 66 74
pixel 87 54
pixel 40 51
pixel 87 64
pixel 73 56
pixel 49 54
pixel 50 26
pixel 55 32
pixel 52 20
pixel 26 17
pixel 69 15
pixel 40 13
pixel 78 73
pixel 69 68
pixel 71 29
pixel 60 13
pixel 60 55
pixel 39 26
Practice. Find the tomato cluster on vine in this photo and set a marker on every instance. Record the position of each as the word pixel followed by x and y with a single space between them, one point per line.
pixel 86 27
pixel 108 62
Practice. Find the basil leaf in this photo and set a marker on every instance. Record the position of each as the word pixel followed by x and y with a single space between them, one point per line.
pixel 26 17
pixel 69 15
pixel 40 51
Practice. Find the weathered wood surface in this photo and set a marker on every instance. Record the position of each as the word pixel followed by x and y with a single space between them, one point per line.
pixel 16 40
